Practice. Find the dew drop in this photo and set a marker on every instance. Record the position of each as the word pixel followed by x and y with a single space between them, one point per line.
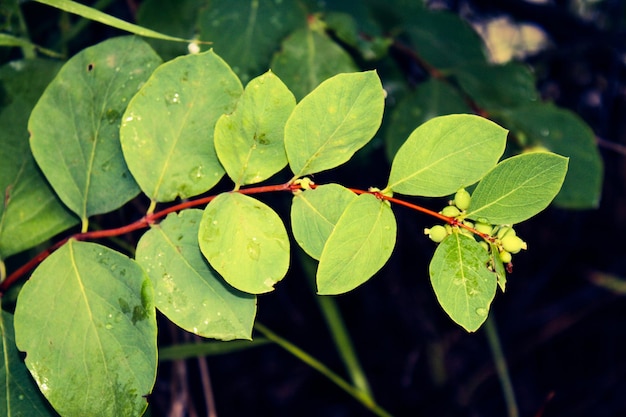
pixel 196 174
pixel 482 312
pixel 21 396
pixel 108 326
pixel 172 98
pixel 254 249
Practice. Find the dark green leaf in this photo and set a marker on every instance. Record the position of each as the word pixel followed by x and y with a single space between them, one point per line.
pixel 75 125
pixel 334 121
pixel 246 32
pixel 20 395
pixel 167 130
pixel 563 132
pixel 187 290
pixel 494 87
pixel 245 241
pixel 444 40
pixel 445 154
pixel 314 214
pixel 463 285
pixel 359 245
pixel 30 211
pixel 87 323
pixel 308 57
pixel 250 141
pixel 518 188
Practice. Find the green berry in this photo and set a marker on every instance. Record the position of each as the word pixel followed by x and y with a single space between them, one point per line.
pixel 484 245
pixel 462 199
pixel 436 233
pixel 505 256
pixel 483 228
pixel 512 243
pixel 504 231
pixel 450 211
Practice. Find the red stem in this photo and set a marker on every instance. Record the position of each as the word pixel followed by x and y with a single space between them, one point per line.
pixel 151 218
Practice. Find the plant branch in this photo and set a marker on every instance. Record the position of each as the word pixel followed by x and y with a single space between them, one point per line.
pixel 501 367
pixel 360 396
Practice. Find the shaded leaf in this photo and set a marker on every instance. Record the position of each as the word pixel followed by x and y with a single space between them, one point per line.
pixel 21 397
pixel 430 99
pixel 314 214
pixel 444 40
pixel 30 211
pixel 245 241
pixel 359 245
pixel 308 57
pixel 334 121
pixel 445 154
pixel 565 133
pixel 246 32
pixel 87 323
pixel 250 141
pixel 167 130
pixel 462 283
pixel 518 188
pixel 187 290
pixel 75 125
pixel 497 86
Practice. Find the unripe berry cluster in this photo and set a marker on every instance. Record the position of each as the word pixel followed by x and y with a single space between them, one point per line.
pixel 502 237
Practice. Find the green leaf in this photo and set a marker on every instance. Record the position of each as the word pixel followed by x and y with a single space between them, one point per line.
pixel 98 16
pixel 246 32
pixel 445 154
pixel 21 397
pixel 308 57
pixel 334 121
pixel 30 211
pixel 518 188
pixel 565 133
pixel 167 130
pixel 178 18
pixel 444 40
pixel 75 125
pixel 314 214
pixel 87 323
pixel 10 40
pixel 359 245
pixel 245 241
pixel 462 283
pixel 250 141
pixel 430 99
pixel 187 290
pixel 497 86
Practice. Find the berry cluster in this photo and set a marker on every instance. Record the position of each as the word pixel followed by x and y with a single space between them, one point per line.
pixel 503 237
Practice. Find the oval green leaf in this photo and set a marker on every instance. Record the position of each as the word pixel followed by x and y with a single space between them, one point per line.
pixel 445 154
pixel 245 242
pixel 359 245
pixel 314 214
pixel 518 188
pixel 167 130
pixel 334 121
pixel 308 57
pixel 187 290
pixel 87 323
pixel 21 397
pixel 31 212
pixel 250 141
pixel 75 125
pixel 462 283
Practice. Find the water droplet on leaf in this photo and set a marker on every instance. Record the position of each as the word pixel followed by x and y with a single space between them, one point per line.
pixel 481 311
pixel 254 250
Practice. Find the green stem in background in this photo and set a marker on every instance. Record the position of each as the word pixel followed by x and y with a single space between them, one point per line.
pixel 358 395
pixel 338 331
pixel 27 51
pixel 74 30
pixel 501 366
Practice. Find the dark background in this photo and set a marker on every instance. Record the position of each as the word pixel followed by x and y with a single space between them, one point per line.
pixel 562 331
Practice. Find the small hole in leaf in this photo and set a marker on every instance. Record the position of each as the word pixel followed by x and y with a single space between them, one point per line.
pixel 90 67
